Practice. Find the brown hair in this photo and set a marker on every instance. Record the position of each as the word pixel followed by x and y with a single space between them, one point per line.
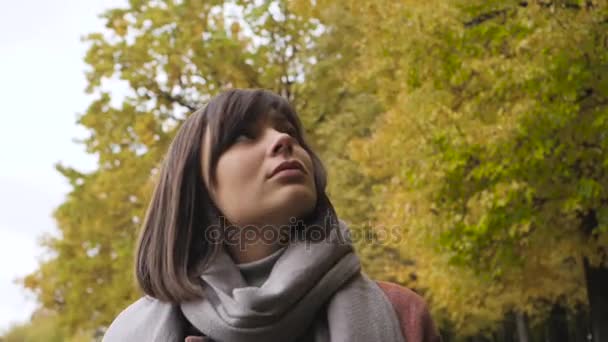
pixel 172 245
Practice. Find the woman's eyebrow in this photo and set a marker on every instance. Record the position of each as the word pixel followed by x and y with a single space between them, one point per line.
pixel 278 118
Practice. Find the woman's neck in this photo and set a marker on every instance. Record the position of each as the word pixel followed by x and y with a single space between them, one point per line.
pixel 251 244
pixel 251 251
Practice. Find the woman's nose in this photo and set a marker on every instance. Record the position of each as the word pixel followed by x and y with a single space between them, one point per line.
pixel 282 144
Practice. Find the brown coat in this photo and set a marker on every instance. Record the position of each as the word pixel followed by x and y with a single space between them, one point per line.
pixel 412 312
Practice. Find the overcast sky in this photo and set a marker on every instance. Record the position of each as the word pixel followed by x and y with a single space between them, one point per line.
pixel 41 92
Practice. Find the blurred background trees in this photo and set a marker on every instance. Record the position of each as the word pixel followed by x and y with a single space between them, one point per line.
pixel 472 131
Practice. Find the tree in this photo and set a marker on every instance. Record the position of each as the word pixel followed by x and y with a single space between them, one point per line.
pixel 172 56
pixel 471 131
pixel 493 138
pixel 336 112
pixel 42 327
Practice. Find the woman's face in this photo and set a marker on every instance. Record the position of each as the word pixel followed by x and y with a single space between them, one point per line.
pixel 248 192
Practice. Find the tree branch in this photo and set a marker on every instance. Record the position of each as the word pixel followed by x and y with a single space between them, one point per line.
pixel 546 4
pixel 177 99
pixel 484 17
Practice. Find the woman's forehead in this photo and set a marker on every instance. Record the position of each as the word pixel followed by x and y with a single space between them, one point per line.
pixel 270 117
pixel 277 116
pixel 274 116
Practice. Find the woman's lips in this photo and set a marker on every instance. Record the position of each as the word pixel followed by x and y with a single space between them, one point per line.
pixel 288 173
pixel 288 165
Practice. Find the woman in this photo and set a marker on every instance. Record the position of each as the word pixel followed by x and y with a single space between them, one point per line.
pixel 241 243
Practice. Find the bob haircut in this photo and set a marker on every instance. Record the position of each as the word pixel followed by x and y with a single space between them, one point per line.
pixel 173 249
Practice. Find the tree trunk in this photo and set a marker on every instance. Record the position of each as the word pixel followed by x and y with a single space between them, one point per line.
pixel 447 334
pixel 523 332
pixel 478 338
pixel 508 328
pixel 597 291
pixel 581 325
pixel 557 325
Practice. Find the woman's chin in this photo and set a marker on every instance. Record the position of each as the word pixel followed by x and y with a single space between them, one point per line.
pixel 295 202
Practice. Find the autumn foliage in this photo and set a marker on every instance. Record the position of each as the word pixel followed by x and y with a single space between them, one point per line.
pixel 475 131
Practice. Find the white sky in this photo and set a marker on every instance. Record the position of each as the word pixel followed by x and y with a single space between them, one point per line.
pixel 41 92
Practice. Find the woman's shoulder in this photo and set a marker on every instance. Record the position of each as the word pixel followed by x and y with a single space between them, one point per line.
pixel 147 319
pixel 403 297
pixel 412 311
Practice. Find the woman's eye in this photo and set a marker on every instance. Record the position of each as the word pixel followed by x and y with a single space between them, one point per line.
pixel 241 137
pixel 290 130
pixel 244 135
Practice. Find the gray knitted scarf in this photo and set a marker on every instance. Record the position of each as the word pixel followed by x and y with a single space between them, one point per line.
pixel 314 292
